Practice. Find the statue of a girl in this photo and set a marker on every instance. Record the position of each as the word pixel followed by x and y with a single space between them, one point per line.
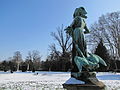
pixel 76 31
pixel 82 61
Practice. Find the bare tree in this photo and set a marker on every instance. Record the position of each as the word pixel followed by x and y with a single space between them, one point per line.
pixel 62 39
pixel 29 60
pixel 61 51
pixel 108 29
pixel 35 57
pixel 17 58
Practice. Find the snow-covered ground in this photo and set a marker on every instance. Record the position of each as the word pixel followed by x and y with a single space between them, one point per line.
pixel 49 80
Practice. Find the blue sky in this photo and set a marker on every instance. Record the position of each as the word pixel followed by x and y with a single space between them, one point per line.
pixel 25 25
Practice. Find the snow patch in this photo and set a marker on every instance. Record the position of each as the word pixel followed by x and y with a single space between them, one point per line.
pixel 50 80
pixel 74 81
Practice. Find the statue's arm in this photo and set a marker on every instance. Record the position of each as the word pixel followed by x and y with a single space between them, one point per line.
pixel 86 29
pixel 71 27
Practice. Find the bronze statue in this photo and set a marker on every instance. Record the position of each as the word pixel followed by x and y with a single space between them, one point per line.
pixel 83 63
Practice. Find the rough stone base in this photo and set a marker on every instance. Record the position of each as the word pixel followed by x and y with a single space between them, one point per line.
pixel 99 86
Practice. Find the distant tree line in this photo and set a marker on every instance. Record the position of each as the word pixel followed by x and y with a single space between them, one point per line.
pixel 16 63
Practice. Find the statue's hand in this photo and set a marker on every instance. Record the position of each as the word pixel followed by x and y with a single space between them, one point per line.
pixel 69 30
pixel 86 32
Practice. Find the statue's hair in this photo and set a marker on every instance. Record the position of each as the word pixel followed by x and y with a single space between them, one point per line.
pixel 78 11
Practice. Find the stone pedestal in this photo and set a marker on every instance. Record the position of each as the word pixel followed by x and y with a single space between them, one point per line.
pixel 75 84
pixel 101 86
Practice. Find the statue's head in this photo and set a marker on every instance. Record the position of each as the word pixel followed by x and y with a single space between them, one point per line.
pixel 80 12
